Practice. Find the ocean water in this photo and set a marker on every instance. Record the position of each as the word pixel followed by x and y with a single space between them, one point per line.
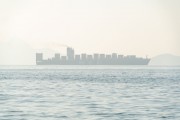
pixel 89 92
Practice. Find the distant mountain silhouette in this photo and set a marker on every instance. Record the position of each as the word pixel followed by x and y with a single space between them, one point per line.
pixel 165 59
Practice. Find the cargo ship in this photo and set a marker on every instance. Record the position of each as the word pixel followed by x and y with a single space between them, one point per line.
pixel 95 59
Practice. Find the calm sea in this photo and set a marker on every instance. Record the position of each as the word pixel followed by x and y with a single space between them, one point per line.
pixel 89 92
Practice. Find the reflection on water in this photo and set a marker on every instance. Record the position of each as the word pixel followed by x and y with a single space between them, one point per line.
pixel 89 92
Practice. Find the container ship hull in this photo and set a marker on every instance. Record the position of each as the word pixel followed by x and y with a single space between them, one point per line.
pixel 121 62
pixel 95 59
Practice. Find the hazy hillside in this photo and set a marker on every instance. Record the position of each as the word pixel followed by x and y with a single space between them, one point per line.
pixel 165 59
pixel 16 52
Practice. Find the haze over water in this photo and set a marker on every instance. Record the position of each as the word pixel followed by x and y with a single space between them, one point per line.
pixel 145 28
pixel 128 27
pixel 89 92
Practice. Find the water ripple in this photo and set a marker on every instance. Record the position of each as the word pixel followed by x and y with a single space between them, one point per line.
pixel 95 93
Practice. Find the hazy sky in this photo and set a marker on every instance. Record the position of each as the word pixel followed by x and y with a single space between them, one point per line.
pixel 141 27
